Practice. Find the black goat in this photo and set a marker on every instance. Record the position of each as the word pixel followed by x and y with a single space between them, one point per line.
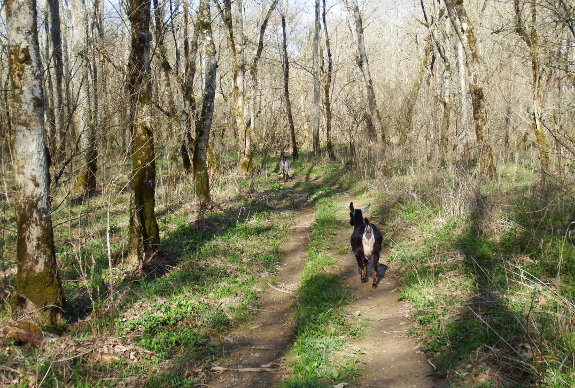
pixel 366 241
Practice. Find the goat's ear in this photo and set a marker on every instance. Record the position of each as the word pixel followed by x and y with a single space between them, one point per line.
pixel 351 206
pixel 365 209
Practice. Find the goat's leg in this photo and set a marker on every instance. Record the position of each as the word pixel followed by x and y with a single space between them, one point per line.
pixel 362 264
pixel 374 271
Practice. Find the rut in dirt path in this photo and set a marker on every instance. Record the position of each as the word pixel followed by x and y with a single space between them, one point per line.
pixel 256 351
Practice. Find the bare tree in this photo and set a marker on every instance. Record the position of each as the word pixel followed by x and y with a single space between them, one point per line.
pixel 440 40
pixel 144 236
pixel 531 38
pixel 39 292
pixel 203 127
pixel 189 112
pixel 316 81
pixel 327 78
pixel 285 67
pixel 56 136
pixel 357 29
pixel 84 82
pixel 464 28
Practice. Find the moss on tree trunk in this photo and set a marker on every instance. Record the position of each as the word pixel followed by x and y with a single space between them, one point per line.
pixel 144 235
pixel 38 294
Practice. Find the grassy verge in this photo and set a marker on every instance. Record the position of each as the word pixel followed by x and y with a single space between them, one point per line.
pixel 490 271
pixel 160 330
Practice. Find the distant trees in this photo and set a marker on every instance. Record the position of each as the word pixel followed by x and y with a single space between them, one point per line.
pixel 315 70
pixel 56 114
pixel 287 97
pixel 244 73
pixel 39 294
pixel 84 91
pixel 327 83
pixel 530 36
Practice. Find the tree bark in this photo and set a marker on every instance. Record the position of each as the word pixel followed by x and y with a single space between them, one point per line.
pixel 39 294
pixel 144 237
pixel 316 82
pixel 285 65
pixel 189 114
pixel 57 137
pixel 465 31
pixel 327 87
pixel 531 39
pixel 362 62
pixel 203 127
pixel 84 117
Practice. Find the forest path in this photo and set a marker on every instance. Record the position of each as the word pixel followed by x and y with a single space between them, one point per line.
pixel 388 356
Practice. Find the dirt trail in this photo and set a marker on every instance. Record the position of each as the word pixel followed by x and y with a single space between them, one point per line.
pixel 388 356
pixel 256 351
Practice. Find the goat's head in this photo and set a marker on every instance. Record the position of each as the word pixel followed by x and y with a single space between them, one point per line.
pixel 368 234
pixel 356 215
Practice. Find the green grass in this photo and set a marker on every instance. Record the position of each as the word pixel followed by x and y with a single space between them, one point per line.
pixel 483 283
pixel 216 263
pixel 488 282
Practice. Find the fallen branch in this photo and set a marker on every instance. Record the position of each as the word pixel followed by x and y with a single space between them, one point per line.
pixel 21 335
pixel 217 368
pixel 279 289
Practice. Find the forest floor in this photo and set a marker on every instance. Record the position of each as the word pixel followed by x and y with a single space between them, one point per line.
pixel 387 355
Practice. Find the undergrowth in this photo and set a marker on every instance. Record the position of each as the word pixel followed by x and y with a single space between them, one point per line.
pixel 492 285
pixel 488 267
pixel 157 329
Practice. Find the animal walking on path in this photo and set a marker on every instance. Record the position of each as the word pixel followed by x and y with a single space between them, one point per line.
pixel 365 241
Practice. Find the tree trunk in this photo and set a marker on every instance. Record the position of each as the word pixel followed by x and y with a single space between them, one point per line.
pixel 465 31
pixel 327 88
pixel 531 39
pixel 464 93
pixel 439 38
pixel 144 236
pixel 38 292
pixel 285 64
pixel 84 117
pixel 57 137
pixel 188 117
pixel 203 127
pixel 362 62
pixel 316 83
pixel 160 31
